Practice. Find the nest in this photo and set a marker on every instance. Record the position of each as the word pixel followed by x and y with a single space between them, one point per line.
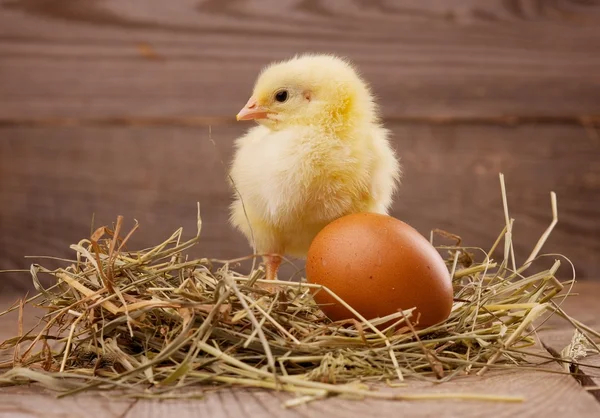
pixel 150 323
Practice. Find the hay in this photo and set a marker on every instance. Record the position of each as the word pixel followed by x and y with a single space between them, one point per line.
pixel 152 322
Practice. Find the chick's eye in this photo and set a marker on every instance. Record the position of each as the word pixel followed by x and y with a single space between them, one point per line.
pixel 281 96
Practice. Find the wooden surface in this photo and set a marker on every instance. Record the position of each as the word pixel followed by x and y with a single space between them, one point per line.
pixel 54 184
pixel 70 58
pixel 546 394
pixel 105 108
pixel 567 398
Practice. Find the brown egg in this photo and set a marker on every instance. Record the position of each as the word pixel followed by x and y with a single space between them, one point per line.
pixel 378 265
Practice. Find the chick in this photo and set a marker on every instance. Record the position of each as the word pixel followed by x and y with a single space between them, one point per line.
pixel 318 153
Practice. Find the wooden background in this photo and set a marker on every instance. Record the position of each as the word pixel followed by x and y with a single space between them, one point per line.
pixel 105 109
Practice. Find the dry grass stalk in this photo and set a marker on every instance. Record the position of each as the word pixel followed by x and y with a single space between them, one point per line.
pixel 151 322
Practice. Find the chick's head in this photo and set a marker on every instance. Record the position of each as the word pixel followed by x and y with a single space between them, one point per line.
pixel 310 90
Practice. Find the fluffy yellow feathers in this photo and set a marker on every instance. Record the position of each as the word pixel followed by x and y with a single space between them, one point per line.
pixel 318 153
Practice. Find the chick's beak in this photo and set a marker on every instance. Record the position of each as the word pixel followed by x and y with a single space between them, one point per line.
pixel 252 111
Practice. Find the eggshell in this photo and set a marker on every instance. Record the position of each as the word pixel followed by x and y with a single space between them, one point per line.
pixel 378 265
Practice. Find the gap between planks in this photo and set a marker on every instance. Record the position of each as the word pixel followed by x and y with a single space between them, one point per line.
pixel 194 121
pixel 583 378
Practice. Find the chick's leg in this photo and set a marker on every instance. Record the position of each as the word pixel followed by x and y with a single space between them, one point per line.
pixel 272 263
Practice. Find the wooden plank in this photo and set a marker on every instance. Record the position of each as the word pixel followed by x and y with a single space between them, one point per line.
pixel 588 373
pixel 567 398
pixel 32 402
pixel 455 59
pixel 53 180
pixel 557 333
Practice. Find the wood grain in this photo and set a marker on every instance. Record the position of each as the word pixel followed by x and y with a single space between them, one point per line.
pixel 31 402
pixel 68 58
pixel 53 180
pixel 556 333
pixel 567 398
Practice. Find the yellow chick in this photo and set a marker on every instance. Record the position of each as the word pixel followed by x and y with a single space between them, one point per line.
pixel 318 153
